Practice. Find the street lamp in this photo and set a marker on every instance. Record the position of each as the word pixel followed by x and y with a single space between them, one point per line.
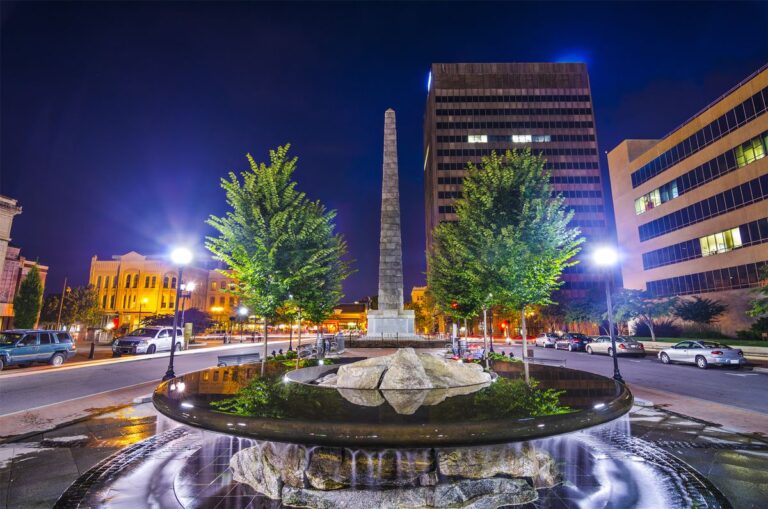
pixel 485 328
pixel 243 312
pixel 141 304
pixel 180 257
pixel 607 258
pixel 186 293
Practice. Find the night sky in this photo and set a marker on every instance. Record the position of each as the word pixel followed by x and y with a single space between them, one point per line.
pixel 118 119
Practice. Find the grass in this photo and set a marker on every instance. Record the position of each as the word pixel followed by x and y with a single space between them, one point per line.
pixel 727 341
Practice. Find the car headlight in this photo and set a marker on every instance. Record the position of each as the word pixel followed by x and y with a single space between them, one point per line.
pixel 143 342
pixel 114 343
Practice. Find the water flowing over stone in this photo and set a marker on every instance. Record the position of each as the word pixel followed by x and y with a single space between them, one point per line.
pixel 464 494
pixel 513 461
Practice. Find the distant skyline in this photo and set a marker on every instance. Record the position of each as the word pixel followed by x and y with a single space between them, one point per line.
pixel 117 120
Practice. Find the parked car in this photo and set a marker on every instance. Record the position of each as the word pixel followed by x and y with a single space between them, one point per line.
pixel 148 340
pixel 546 340
pixel 703 354
pixel 572 341
pixel 624 346
pixel 22 347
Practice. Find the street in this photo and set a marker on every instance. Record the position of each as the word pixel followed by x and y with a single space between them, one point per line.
pixel 23 389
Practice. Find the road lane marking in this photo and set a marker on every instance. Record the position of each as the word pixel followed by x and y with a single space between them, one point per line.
pixel 742 374
pixel 135 358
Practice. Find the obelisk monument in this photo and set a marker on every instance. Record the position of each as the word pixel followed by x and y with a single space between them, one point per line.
pixel 390 319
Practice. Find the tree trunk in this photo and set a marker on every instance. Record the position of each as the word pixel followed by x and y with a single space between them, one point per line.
pixel 524 333
pixel 266 341
pixel 653 332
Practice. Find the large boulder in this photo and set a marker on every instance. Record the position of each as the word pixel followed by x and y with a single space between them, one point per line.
pixel 362 397
pixel 268 465
pixel 509 460
pixel 354 376
pixel 405 372
pixel 444 374
pixel 464 494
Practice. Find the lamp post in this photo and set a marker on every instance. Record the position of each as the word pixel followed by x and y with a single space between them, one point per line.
pixel 180 257
pixel 485 328
pixel 186 293
pixel 141 304
pixel 607 257
pixel 243 312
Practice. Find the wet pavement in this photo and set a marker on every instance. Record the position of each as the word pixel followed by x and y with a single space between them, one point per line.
pixel 37 471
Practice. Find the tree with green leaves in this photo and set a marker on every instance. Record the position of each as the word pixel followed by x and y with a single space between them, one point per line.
pixel 28 300
pixel 759 303
pixel 453 276
pixel 590 308
pixel 699 310
pixel 276 242
pixel 642 306
pixel 81 305
pixel 513 232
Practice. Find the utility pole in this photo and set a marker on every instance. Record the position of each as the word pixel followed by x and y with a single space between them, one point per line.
pixel 61 304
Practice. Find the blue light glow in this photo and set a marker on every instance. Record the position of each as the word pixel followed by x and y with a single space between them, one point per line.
pixel 572 57
pixel 429 81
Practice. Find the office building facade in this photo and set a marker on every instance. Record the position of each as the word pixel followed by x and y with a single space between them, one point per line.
pixel 474 109
pixel 691 209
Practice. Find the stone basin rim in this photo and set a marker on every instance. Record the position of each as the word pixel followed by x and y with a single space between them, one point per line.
pixel 305 376
pixel 400 434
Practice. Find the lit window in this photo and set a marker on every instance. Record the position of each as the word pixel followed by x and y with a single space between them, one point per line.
pixel 544 138
pixel 640 205
pixel 721 242
pixel 522 138
pixel 477 138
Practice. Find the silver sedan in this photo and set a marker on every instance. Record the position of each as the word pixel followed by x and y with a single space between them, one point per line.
pixel 546 340
pixel 624 346
pixel 703 354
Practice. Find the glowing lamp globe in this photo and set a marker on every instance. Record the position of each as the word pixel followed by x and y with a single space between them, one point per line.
pixel 605 256
pixel 181 256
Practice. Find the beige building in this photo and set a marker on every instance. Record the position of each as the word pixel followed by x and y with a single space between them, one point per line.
pixel 418 294
pixel 133 285
pixel 691 209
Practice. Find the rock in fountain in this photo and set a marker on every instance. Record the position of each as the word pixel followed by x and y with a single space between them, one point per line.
pixel 407 380
pixel 333 477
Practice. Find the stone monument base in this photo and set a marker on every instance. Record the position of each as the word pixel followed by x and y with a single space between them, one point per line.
pixel 391 323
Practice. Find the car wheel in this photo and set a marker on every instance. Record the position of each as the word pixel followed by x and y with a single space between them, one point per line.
pixel 178 347
pixel 151 349
pixel 2 363
pixel 116 354
pixel 701 362
pixel 664 358
pixel 610 352
pixel 589 350
pixel 57 360
pixel 570 348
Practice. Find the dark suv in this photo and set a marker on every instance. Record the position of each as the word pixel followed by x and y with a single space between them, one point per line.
pixel 573 342
pixel 22 347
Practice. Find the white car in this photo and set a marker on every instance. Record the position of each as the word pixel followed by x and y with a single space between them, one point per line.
pixel 148 340
pixel 624 346
pixel 703 354
pixel 546 340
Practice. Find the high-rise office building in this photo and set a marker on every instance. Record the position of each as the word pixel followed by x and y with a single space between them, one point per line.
pixel 474 109
pixel 691 209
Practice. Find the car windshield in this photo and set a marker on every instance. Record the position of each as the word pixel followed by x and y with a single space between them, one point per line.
pixel 710 344
pixel 9 338
pixel 579 336
pixel 143 333
pixel 626 340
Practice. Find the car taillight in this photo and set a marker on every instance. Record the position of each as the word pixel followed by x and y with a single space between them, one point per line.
pixel 716 352
pixel 641 345
pixel 621 345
